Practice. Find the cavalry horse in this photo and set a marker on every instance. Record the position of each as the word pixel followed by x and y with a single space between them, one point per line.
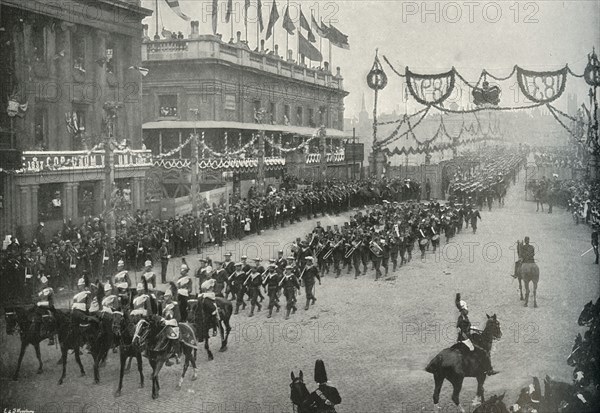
pixel 159 340
pixel 204 320
pixel 124 330
pixel 94 330
pixel 24 320
pixel 527 272
pixel 299 394
pixel 456 363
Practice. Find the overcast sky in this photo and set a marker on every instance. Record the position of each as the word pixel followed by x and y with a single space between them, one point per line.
pixel 429 37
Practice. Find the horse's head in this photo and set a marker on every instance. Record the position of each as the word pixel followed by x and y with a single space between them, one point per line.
pixel 492 326
pixel 587 315
pixel 11 316
pixel 298 390
pixel 118 322
pixel 492 405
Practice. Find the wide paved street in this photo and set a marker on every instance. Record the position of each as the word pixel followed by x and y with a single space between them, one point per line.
pixel 375 337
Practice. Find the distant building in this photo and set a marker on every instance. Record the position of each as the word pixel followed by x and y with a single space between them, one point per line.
pixel 58 69
pixel 229 94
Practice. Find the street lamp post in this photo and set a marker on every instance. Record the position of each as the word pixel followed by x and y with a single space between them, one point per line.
pixel 194 166
pixel 110 119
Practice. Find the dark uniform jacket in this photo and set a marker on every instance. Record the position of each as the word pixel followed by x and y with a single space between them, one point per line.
pixel 324 399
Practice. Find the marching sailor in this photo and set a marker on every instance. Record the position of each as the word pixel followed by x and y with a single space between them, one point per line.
pixel 271 284
pixel 309 274
pixel 237 286
pixel 289 283
pixel 254 281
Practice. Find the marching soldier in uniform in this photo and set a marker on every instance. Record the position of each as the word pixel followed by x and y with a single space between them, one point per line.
pixel 163 252
pixel 237 286
pixel 254 282
pixel 289 283
pixel 310 272
pixel 474 215
pixel 261 270
pixel 220 277
pixel 271 284
pixel 376 256
pixel 281 261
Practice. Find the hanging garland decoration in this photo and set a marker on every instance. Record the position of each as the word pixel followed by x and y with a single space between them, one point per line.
pixel 554 112
pixel 394 135
pixel 480 109
pixel 542 87
pixel 439 86
pixel 288 150
pixel 402 119
pixel 173 151
pixel 215 154
pixel 500 78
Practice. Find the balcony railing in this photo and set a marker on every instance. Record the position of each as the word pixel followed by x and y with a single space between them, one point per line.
pixel 217 163
pixel 329 158
pixel 211 47
pixel 38 161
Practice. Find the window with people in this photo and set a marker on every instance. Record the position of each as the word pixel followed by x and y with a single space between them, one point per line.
pixel 78 46
pixel 167 105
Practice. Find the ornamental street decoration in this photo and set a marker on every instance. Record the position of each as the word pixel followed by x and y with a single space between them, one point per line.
pixel 377 79
pixel 430 89
pixel 592 70
pixel 542 87
pixel 486 95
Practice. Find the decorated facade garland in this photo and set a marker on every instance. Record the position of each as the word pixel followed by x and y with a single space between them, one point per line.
pixel 270 141
pixel 211 152
pixel 394 135
pixel 175 150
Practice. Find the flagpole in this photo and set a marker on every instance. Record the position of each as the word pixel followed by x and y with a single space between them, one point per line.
pixel 258 27
pixel 299 30
pixel 156 36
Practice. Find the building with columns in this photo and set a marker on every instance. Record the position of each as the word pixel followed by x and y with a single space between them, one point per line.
pixel 241 103
pixel 62 61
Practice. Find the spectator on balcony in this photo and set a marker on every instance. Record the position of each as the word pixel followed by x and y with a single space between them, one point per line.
pixel 179 35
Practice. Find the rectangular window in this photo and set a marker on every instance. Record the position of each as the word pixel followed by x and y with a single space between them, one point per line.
pixel 78 51
pixel 323 116
pixel 286 114
pixel 41 128
pixel 38 40
pixel 311 118
pixel 110 57
pixel 167 106
pixel 272 113
pixel 299 116
pixel 50 206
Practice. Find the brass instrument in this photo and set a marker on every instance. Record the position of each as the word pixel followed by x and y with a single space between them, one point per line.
pixel 376 249
pixel 328 253
pixel 351 250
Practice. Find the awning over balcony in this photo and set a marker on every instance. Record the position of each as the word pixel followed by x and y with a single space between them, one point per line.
pixel 210 124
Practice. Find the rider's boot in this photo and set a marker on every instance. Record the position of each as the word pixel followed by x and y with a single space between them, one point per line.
pixel 307 303
pixel 237 308
pixel 287 314
pixel 270 312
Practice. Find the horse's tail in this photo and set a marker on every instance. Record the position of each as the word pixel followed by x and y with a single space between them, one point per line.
pixel 434 365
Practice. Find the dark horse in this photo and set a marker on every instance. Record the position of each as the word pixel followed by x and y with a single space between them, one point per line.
pixel 205 320
pixel 457 362
pixel 494 404
pixel 25 321
pixel 152 337
pixel 299 394
pixel 124 330
pixel 527 272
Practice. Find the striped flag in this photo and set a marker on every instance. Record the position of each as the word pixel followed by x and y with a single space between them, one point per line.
pixel 320 29
pixel 304 24
pixel 337 38
pixel 174 5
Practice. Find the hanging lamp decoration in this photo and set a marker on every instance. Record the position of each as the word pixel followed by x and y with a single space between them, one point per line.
pixel 377 79
pixel 592 70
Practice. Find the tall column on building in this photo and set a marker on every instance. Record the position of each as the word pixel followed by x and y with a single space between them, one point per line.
pixel 75 200
pixel 67 200
pixel 34 204
pixel 25 194
pixel 323 152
